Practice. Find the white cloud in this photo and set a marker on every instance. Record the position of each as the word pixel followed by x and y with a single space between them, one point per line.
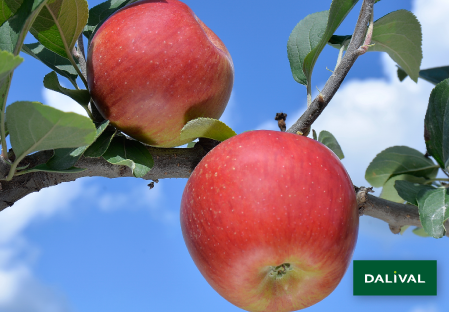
pixel 370 115
pixel 33 296
pixel 367 116
pixel 61 102
pixel 433 17
pixel 19 289
pixel 35 206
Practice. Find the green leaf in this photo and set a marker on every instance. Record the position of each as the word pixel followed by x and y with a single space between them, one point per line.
pixel 191 144
pixel 433 211
pixel 51 82
pixel 206 128
pixel 8 8
pixel 401 74
pixel 99 13
pixel 59 64
pixel 436 124
pixel 420 232
pixel 398 160
pixel 305 36
pixel 338 11
pixel 338 41
pixel 409 191
pixel 14 30
pixel 59 25
pixel 310 36
pixel 12 35
pixel 65 158
pixel 34 127
pixel 403 229
pixel 101 144
pixel 330 141
pixel 435 75
pixel 399 34
pixel 130 153
pixel 45 168
pixel 389 191
pixel 8 62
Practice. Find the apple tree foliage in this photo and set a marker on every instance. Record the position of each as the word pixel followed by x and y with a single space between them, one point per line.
pixel 405 174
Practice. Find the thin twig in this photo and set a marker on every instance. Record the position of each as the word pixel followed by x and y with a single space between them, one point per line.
pixel 82 56
pixel 335 80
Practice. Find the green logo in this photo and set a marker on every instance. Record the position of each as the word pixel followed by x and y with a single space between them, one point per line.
pixel 395 277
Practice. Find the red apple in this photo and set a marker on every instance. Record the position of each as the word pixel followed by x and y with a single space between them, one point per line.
pixel 153 66
pixel 270 220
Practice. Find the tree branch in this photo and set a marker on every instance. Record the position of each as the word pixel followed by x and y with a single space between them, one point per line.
pixel 175 163
pixel 302 125
pixel 168 163
pixel 395 214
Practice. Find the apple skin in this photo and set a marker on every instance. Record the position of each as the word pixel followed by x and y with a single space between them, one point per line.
pixel 263 199
pixel 153 66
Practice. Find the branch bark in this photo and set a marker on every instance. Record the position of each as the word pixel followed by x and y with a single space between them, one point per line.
pixel 168 163
pixel 302 125
pixel 176 163
pixel 395 214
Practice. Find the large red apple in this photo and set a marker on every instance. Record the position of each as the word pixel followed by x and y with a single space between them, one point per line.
pixel 153 66
pixel 271 220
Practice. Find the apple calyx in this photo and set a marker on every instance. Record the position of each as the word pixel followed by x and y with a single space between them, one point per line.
pixel 278 272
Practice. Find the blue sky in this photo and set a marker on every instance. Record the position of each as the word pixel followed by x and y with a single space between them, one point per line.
pixel 114 245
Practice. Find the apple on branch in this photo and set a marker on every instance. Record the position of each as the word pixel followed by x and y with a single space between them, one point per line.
pixel 153 66
pixel 270 220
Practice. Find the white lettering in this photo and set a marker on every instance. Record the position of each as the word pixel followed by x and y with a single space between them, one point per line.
pixel 386 279
pixel 411 278
pixel 379 278
pixel 419 279
pixel 367 276
pixel 402 280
